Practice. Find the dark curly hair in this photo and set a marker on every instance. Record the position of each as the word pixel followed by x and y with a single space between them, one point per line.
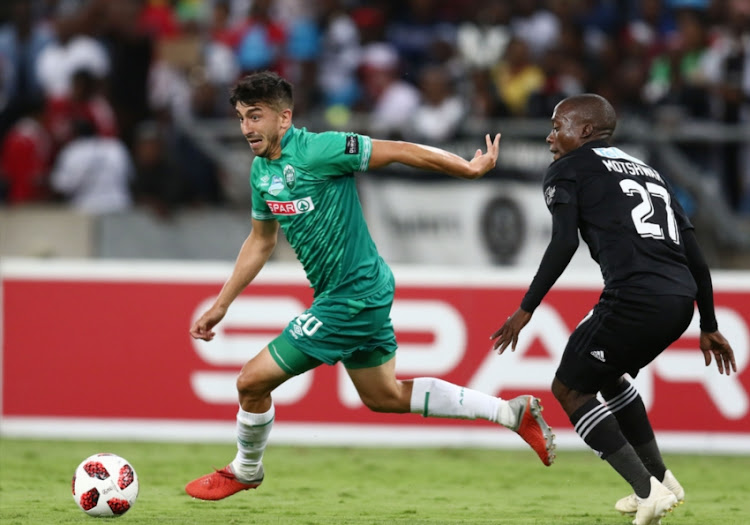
pixel 263 87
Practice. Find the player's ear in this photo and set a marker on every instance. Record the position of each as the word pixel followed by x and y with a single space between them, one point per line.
pixel 286 117
pixel 586 131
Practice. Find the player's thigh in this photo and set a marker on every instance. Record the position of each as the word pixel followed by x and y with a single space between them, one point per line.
pixel 622 335
pixel 290 357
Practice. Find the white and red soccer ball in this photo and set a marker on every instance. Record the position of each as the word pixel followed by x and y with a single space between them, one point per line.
pixel 105 485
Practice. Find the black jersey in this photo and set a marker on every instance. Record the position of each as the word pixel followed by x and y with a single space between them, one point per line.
pixel 628 217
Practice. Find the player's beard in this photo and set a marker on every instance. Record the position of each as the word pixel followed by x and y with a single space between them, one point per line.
pixel 270 141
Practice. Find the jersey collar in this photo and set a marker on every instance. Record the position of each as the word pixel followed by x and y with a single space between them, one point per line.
pixel 287 137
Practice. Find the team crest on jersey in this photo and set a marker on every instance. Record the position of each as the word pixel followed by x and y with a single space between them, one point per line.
pixel 277 186
pixel 289 176
pixel 549 194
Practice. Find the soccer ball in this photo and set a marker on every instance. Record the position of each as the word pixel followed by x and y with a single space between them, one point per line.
pixel 105 485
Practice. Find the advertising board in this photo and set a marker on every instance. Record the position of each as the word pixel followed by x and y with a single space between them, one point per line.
pixel 101 349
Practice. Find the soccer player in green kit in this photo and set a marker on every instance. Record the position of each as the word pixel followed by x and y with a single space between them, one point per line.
pixel 304 183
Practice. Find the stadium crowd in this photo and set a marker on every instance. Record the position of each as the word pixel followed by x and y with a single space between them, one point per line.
pixel 96 95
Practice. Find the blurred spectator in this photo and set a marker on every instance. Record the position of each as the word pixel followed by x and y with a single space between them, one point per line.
pixel 515 78
pixel 169 94
pixel 371 22
pixel 93 173
pixel 157 18
pixel 481 95
pixel 390 101
pixel 581 60
pixel 131 52
pixel 262 41
pixel 627 88
pixel 339 56
pixel 675 77
pixel 650 26
pixel 535 25
pixel 440 110
pixel 84 101
pixel 481 40
pixel 417 68
pixel 222 30
pixel 200 172
pixel 600 20
pixel 222 67
pixel 421 37
pixel 22 40
pixel 71 51
pixel 158 183
pixel 563 76
pixel 301 53
pixel 25 158
pixel 727 69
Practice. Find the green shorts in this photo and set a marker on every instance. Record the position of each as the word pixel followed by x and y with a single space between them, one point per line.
pixel 358 333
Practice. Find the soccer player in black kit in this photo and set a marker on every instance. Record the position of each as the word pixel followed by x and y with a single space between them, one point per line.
pixel 654 272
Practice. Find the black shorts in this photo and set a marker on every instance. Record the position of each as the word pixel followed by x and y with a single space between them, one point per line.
pixel 623 333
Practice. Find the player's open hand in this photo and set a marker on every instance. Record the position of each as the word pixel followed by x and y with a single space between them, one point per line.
pixel 203 327
pixel 484 162
pixel 715 343
pixel 508 333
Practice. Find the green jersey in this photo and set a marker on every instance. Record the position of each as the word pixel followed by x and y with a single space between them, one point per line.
pixel 311 191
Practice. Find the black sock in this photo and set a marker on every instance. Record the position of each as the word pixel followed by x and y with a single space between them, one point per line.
pixel 651 458
pixel 626 404
pixel 627 463
pixel 599 429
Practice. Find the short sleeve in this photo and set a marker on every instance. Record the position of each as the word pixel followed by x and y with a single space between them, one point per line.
pixel 260 210
pixel 332 153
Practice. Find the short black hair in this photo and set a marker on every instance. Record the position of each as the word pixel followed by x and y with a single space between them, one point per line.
pixel 263 87
pixel 595 110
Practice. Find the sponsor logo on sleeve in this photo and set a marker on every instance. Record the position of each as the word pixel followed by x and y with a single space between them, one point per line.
pixel 352 145
pixel 295 207
pixel 549 194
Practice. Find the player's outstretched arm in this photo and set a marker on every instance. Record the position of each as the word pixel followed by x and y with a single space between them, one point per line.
pixel 716 344
pixel 429 158
pixel 255 252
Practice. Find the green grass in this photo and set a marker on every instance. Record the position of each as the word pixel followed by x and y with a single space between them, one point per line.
pixel 364 486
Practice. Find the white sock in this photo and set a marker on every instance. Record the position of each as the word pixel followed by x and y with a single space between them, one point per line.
pixel 252 436
pixel 434 397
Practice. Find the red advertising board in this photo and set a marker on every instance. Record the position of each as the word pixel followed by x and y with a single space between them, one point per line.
pixel 87 341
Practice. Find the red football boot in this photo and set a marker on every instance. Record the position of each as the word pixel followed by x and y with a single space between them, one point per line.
pixel 221 484
pixel 533 429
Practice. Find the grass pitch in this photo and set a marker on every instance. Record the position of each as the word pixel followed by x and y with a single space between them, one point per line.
pixel 330 486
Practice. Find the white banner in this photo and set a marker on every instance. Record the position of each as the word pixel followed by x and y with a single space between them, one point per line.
pixel 467 223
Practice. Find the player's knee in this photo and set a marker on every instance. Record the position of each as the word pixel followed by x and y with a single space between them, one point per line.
pixel 560 391
pixel 250 387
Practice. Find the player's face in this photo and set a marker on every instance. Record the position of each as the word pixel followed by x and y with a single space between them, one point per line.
pixel 263 127
pixel 566 134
